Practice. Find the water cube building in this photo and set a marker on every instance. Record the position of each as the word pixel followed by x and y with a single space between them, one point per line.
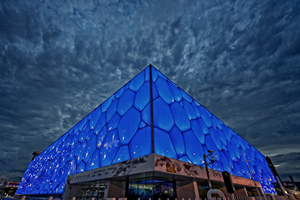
pixel 145 141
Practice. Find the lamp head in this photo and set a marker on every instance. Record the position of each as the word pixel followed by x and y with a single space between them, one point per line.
pixel 212 160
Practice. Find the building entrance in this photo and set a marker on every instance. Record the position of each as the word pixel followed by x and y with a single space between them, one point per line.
pixel 96 192
pixel 151 188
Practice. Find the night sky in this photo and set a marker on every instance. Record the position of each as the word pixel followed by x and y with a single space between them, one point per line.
pixel 60 59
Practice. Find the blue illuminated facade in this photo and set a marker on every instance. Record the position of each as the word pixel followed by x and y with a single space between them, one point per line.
pixel 150 114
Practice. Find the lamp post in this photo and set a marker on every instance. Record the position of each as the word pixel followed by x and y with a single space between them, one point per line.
pixel 212 160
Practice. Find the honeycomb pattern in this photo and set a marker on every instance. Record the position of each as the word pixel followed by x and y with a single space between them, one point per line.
pixel 120 129
pixel 185 130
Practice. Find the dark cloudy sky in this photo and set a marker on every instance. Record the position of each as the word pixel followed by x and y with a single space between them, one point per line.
pixel 61 59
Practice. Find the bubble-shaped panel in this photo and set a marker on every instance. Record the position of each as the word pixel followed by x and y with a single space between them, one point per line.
pixel 175 91
pixel 113 123
pixel 197 129
pixel 161 75
pixel 181 119
pixel 231 151
pixel 196 108
pixel 225 164
pixel 164 90
pixel 94 117
pixel 217 166
pixel 122 155
pixel 107 103
pixel 186 96
pixel 222 134
pixel 178 141
pixel 210 144
pixel 147 74
pixel 78 126
pixel 90 148
pixel 194 148
pixel 137 82
pixel 111 110
pixel 81 167
pixel 154 75
pixel 146 114
pixel 128 125
pixel 216 138
pixel 101 135
pixel 119 92
pixel 185 159
pixel 140 145
pixel 163 144
pixel 94 161
pixel 142 124
pixel 229 160
pixel 216 122
pixel 142 96
pixel 205 117
pixel 125 101
pixel 83 134
pixel 189 110
pixel 80 152
pixel 88 136
pixel 203 127
pixel 100 124
pixel 109 148
pixel 154 92
pixel 162 115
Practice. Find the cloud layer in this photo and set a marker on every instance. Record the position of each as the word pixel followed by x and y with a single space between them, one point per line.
pixel 60 60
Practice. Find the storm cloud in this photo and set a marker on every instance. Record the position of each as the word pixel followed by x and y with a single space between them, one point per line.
pixel 61 59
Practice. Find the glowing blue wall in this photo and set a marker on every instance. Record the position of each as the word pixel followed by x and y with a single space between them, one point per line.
pixel 116 131
pixel 185 130
pixel 120 129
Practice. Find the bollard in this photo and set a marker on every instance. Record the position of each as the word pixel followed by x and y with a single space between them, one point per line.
pixel 50 198
pixel 93 198
pixel 73 198
pixel 23 197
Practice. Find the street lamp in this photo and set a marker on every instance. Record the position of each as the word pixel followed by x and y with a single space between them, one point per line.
pixel 212 160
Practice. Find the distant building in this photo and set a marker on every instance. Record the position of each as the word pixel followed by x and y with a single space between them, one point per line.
pixel 10 189
pixel 35 154
pixel 146 141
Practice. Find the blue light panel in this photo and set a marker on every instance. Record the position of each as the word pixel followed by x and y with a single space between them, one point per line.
pixel 117 130
pixel 201 131
pixel 120 129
